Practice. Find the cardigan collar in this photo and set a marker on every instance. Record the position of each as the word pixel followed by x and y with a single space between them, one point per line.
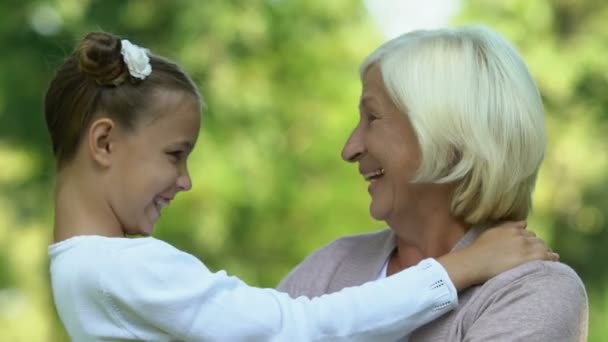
pixel 366 263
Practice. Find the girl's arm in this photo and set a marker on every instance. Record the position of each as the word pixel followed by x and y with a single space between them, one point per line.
pixel 177 294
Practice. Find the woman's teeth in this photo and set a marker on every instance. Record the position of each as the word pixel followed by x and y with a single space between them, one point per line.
pixel 371 176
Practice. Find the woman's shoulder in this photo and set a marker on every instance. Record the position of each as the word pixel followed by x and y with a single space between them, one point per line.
pixel 313 276
pixel 539 300
pixel 536 301
pixel 347 247
pixel 374 241
pixel 536 286
pixel 540 279
pixel 538 272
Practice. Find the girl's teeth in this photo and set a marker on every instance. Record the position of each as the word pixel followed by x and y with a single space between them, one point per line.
pixel 161 204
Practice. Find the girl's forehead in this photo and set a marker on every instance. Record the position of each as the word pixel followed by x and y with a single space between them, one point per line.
pixel 171 117
pixel 170 105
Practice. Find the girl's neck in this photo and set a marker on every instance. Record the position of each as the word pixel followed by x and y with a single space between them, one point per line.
pixel 80 209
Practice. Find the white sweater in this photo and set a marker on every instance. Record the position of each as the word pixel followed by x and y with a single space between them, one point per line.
pixel 126 289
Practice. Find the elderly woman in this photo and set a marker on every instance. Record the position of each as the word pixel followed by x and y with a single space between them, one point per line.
pixel 450 138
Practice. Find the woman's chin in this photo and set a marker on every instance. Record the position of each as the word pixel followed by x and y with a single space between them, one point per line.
pixel 378 212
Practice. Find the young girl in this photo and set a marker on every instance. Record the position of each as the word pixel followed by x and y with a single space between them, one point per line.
pixel 122 124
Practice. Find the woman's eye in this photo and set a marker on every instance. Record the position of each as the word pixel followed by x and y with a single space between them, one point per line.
pixel 371 117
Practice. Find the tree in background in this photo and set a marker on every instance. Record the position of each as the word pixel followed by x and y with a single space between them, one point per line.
pixel 280 79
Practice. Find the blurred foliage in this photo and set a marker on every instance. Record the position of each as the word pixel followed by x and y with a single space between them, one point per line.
pixel 280 79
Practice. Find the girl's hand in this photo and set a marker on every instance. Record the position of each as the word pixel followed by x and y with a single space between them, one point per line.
pixel 495 251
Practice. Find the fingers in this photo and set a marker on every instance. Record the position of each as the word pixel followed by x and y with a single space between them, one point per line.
pixel 528 233
pixel 549 256
pixel 538 249
pixel 553 256
pixel 508 246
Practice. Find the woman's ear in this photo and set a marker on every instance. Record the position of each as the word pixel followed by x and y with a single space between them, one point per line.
pixel 101 141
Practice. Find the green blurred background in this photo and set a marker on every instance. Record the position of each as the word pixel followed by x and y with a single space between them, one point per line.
pixel 281 82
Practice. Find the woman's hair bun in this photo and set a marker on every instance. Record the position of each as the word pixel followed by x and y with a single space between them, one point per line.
pixel 100 59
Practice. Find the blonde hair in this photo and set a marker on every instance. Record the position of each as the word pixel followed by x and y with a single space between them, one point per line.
pixel 477 113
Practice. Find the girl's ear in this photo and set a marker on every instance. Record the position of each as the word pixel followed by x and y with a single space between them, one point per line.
pixel 101 141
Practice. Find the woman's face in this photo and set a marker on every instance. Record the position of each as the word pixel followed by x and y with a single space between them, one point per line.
pixel 150 168
pixel 386 148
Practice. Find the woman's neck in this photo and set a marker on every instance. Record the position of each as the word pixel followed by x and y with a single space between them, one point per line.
pixel 80 209
pixel 426 230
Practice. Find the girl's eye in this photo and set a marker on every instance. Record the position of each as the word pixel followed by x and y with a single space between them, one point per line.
pixel 371 117
pixel 176 155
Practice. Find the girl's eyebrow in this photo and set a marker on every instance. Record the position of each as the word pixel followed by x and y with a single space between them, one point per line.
pixel 185 145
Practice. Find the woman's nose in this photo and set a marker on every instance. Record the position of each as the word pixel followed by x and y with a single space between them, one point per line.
pixel 354 147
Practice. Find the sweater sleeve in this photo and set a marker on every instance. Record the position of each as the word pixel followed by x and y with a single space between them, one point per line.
pixel 174 292
pixel 549 304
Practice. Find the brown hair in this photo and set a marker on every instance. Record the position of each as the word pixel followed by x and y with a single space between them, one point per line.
pixel 95 81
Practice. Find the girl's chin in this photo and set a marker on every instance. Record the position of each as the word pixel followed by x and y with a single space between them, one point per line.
pixel 141 230
pixel 145 227
pixel 148 229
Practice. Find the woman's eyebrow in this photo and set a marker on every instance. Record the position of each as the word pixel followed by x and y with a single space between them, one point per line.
pixel 368 101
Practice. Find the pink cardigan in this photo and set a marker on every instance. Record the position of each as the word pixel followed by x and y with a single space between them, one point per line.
pixel 537 301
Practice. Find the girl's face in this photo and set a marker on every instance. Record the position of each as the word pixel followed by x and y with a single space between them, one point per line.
pixel 150 164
